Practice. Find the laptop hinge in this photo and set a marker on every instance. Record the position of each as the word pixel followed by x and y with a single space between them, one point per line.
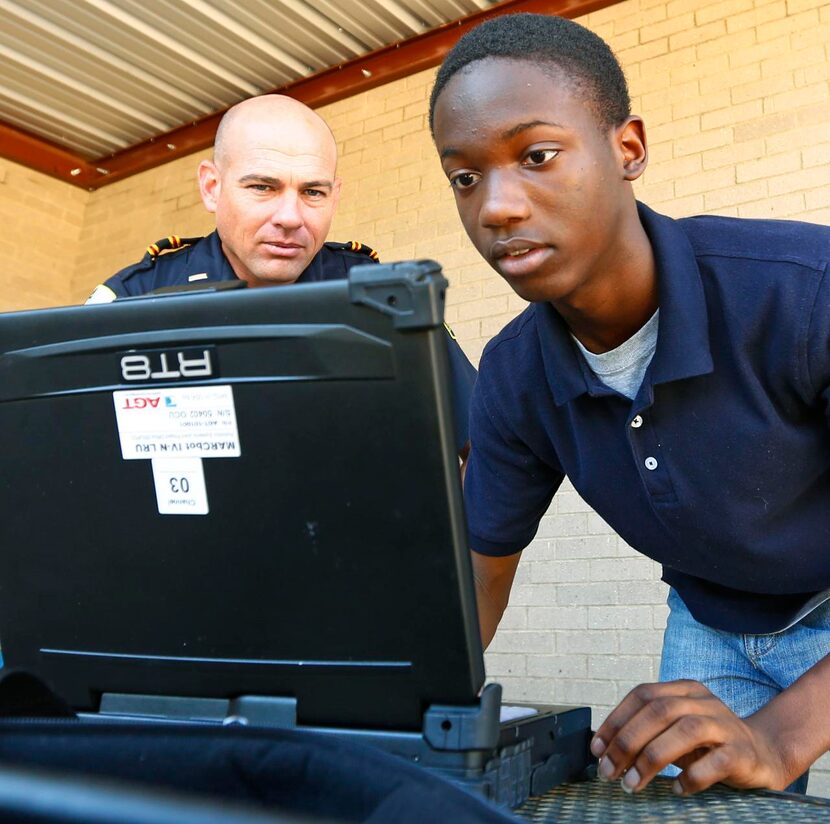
pixel 465 728
pixel 257 710
pixel 411 291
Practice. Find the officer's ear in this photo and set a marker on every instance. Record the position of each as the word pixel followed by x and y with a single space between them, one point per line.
pixel 210 184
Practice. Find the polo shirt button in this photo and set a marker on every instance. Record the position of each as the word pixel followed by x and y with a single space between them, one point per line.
pixel 637 422
pixel 651 463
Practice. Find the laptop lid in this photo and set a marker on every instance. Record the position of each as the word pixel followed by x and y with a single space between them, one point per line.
pixel 240 492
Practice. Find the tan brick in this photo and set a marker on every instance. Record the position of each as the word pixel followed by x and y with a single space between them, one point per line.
pixel 726 11
pixel 797 98
pixel 701 105
pixel 697 34
pixel 644 51
pixel 766 167
pixel 812 115
pixel 793 25
pixel 793 60
pixel 703 142
pixel 728 44
pixel 815 155
pixel 812 74
pixel 732 153
pixel 757 16
pixel 730 77
pixel 641 19
pixel 667 28
pixel 763 126
pixel 669 129
pixel 715 66
pixel 674 170
pixel 800 181
pixel 781 207
pixel 731 115
pixel 734 195
pixel 817 206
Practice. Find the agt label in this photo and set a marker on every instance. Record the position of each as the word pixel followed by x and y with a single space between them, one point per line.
pixel 180 486
pixel 180 422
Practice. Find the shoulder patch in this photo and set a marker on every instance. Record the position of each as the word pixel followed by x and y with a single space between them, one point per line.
pixel 354 246
pixel 101 294
pixel 169 244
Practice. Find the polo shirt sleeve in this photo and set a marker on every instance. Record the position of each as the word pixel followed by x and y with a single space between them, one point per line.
pixel 462 378
pixel 507 488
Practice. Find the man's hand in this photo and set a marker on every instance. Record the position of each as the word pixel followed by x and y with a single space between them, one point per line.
pixel 682 723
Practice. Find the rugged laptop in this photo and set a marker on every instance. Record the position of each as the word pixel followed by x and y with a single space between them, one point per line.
pixel 244 504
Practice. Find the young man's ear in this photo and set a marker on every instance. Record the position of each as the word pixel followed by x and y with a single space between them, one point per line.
pixel 210 184
pixel 631 141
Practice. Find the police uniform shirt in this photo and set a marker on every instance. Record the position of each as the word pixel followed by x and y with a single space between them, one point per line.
pixel 196 260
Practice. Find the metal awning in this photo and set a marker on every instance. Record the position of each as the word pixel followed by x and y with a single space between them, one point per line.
pixel 88 86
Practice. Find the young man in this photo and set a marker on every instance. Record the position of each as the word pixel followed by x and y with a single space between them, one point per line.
pixel 678 372
pixel 273 189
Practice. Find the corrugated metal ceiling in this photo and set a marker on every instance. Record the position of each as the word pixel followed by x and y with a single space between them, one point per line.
pixel 99 76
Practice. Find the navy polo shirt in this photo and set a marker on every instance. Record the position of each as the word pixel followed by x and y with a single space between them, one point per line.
pixel 720 467
pixel 204 259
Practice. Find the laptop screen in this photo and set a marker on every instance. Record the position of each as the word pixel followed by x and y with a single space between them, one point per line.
pixel 241 492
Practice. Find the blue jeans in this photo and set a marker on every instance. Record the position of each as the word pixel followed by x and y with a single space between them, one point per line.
pixel 744 671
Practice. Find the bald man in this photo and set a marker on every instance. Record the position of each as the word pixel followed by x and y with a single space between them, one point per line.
pixel 273 189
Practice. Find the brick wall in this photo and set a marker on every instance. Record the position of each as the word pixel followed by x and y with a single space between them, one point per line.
pixel 736 99
pixel 40 226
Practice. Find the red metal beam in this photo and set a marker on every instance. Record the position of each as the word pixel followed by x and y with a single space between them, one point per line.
pixel 359 75
pixel 42 155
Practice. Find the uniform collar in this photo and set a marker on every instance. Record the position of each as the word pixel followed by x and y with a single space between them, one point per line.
pixel 210 257
pixel 314 271
pixel 683 337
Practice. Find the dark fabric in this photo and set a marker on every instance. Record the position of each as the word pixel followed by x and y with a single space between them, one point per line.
pixel 205 256
pixel 720 467
pixel 287 771
pixel 332 262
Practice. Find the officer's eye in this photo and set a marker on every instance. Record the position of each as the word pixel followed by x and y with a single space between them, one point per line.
pixel 316 194
pixel 259 187
pixel 463 180
pixel 538 157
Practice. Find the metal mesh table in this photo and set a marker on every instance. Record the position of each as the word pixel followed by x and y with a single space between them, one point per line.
pixel 598 802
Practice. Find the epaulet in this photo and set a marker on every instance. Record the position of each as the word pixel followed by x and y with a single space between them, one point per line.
pixel 354 246
pixel 171 243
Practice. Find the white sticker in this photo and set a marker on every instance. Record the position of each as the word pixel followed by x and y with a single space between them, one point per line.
pixel 180 422
pixel 180 486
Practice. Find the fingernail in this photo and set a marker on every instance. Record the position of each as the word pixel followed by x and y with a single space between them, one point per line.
pixel 606 768
pixel 597 747
pixel 630 780
pixel 676 788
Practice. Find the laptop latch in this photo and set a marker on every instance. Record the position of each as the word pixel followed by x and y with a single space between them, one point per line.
pixel 465 728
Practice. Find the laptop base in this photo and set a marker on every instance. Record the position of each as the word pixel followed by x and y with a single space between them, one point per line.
pixel 503 762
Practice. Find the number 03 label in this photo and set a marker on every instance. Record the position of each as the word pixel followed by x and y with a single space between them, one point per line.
pixel 180 486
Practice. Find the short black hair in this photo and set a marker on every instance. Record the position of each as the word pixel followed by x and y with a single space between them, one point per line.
pixel 550 41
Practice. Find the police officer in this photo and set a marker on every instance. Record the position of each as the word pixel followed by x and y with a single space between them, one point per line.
pixel 273 189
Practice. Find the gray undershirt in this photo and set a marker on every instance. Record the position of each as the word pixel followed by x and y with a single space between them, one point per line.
pixel 623 368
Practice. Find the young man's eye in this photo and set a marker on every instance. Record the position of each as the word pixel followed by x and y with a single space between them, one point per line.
pixel 463 180
pixel 539 156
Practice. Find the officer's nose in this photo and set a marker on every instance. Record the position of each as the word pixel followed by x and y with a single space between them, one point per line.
pixel 504 199
pixel 287 211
